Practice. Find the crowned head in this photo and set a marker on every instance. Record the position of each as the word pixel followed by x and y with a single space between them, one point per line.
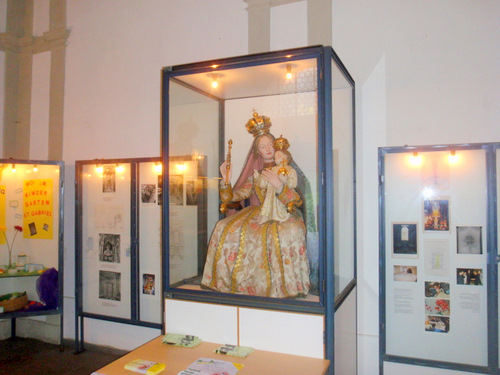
pixel 281 144
pixel 258 125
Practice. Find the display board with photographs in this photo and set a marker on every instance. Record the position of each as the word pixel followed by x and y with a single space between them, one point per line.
pixel 435 265
pixel 105 189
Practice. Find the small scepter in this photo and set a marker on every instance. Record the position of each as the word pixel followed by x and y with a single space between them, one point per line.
pixel 228 160
pixel 223 206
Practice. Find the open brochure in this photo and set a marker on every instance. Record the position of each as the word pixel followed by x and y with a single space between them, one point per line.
pixel 208 366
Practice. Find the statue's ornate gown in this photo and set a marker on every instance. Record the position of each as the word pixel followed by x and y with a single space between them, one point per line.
pixel 260 250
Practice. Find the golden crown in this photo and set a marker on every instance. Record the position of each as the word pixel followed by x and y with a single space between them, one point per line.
pixel 281 144
pixel 258 125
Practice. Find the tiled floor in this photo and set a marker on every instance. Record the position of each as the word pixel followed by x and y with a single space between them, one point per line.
pixel 34 357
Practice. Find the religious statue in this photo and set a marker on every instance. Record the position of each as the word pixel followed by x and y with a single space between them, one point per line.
pixel 261 249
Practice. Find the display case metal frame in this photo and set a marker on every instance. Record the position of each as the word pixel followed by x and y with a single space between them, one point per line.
pixel 330 298
pixel 492 259
pixel 135 280
pixel 60 251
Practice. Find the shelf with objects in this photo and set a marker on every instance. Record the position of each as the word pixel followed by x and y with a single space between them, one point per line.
pixel 276 131
pixel 439 255
pixel 118 250
pixel 31 240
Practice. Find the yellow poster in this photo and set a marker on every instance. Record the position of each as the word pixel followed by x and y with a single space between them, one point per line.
pixel 2 212
pixel 37 208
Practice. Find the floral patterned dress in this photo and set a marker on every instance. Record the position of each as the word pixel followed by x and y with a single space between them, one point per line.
pixel 251 252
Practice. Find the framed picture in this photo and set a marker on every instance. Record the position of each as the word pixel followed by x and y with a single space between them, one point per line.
pixel 469 240
pixel 110 285
pixel 109 247
pixel 148 284
pixel 404 240
pixel 469 276
pixel 436 215
pixel 405 273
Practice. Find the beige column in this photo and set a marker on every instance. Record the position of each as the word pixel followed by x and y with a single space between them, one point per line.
pixel 19 45
pixel 59 35
pixel 319 22
pixel 18 76
pixel 259 25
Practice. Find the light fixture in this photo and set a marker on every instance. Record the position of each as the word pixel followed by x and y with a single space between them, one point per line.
pixel 99 168
pixel 288 71
pixel 428 192
pixel 13 168
pixel 415 159
pixel 158 167
pixel 181 167
pixel 35 168
pixel 215 84
pixel 119 168
pixel 452 157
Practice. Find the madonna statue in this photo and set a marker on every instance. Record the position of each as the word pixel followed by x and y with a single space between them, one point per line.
pixel 260 250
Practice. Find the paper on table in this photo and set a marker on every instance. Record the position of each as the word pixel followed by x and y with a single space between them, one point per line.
pixel 208 366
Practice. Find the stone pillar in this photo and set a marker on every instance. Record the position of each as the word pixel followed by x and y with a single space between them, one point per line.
pixel 18 76
pixel 319 22
pixel 20 45
pixel 259 25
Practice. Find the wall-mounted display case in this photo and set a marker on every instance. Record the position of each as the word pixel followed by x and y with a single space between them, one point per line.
pixel 31 237
pixel 265 238
pixel 439 255
pixel 118 249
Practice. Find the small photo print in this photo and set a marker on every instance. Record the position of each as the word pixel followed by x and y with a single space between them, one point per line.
pixel 436 289
pixel 437 323
pixel 437 306
pixel 160 189
pixel 32 228
pixel 436 215
pixel 191 193
pixel 108 179
pixel 110 285
pixel 176 195
pixel 148 284
pixel 405 273
pixel 404 240
pixel 109 247
pixel 469 276
pixel 148 193
pixel 469 240
pixel 46 227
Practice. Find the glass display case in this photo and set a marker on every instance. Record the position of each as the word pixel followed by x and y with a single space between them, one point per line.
pixel 31 239
pixel 273 138
pixel 118 250
pixel 438 251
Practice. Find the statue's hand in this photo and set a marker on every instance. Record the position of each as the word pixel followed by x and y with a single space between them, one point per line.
pixel 225 173
pixel 273 179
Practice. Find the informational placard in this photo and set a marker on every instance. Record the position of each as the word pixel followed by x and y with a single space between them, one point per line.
pixel 435 265
pixel 38 207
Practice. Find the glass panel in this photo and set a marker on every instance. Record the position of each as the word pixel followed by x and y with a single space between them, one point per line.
pixel 106 239
pixel 149 242
pixel 435 256
pixel 29 199
pixel 237 262
pixel 498 238
pixel 343 179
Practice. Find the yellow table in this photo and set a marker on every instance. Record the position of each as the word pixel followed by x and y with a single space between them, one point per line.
pixel 178 358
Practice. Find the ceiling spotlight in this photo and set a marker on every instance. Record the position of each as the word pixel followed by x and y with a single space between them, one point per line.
pixel 415 159
pixel 452 157
pixel 215 84
pixel 35 168
pixel 288 71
